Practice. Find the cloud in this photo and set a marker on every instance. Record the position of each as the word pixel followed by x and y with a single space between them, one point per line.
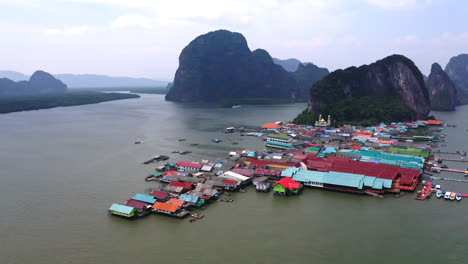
pixel 316 42
pixel 133 20
pixel 405 40
pixel 68 31
pixel 394 4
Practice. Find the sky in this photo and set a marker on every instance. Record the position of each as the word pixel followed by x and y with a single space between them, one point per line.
pixel 143 38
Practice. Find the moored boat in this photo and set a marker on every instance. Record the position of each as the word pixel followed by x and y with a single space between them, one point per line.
pixel 440 193
pixel 452 196
pixel 447 195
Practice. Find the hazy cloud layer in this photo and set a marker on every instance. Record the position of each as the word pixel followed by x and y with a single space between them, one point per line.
pixel 143 38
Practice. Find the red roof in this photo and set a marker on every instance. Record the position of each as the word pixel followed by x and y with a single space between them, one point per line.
pixel 355 147
pixel 189 164
pixel 288 183
pixel 382 171
pixel 184 185
pixel 230 182
pixel 170 173
pixel 266 172
pixel 135 204
pixel 160 195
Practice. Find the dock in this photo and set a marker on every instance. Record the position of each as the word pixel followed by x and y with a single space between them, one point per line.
pixel 461 153
pixel 447 179
pixel 452 170
pixel 458 160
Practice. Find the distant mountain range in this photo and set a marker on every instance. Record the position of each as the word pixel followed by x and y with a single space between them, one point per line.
pixel 39 83
pixel 91 80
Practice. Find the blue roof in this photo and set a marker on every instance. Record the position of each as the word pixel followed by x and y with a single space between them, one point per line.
pixel 189 198
pixel 144 198
pixel 121 208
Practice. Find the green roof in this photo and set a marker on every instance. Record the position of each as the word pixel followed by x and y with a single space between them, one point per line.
pixel 279 136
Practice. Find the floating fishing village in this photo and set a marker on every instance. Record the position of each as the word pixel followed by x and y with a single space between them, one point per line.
pixel 377 161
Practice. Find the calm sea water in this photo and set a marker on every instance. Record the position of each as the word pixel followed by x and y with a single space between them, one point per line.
pixel 62 168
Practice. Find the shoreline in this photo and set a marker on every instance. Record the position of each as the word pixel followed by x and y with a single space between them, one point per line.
pixel 47 101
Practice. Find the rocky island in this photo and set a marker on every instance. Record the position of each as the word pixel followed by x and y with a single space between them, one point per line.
pixel 391 89
pixel 39 83
pixel 442 90
pixel 219 65
pixel 457 70
pixel 44 91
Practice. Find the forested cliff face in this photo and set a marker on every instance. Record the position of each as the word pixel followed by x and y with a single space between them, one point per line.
pixel 442 90
pixel 457 70
pixel 219 65
pixel 391 89
pixel 40 82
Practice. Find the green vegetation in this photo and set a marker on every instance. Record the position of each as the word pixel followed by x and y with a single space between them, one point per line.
pixel 364 111
pixel 305 118
pixel 255 101
pixel 45 101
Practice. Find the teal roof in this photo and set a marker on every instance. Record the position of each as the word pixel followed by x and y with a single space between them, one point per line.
pixel 337 178
pixel 144 198
pixel 334 178
pixel 280 144
pixel 189 198
pixel 289 172
pixel 121 208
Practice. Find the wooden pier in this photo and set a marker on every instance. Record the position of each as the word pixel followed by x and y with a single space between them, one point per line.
pixel 452 170
pixel 461 153
pixel 458 160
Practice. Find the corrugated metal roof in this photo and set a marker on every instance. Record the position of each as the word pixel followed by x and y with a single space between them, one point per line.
pixel 144 198
pixel 135 204
pixel 279 136
pixel 175 201
pixel 189 198
pixel 121 208
pixel 280 144
pixel 165 207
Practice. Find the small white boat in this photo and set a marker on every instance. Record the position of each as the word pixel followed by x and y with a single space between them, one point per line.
pixel 458 197
pixel 447 195
pixel 439 194
pixel 236 106
pixel 452 196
